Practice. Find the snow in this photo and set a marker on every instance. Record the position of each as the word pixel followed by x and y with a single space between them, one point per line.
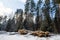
pixel 16 36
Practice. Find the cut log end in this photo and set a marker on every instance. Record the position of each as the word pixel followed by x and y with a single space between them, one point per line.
pixel 40 33
pixel 22 32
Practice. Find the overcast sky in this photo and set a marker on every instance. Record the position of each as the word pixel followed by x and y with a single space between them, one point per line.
pixel 9 6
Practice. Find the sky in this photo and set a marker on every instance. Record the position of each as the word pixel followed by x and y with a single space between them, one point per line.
pixel 8 7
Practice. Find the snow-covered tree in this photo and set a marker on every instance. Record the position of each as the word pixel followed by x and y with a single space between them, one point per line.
pixel 29 11
pixel 57 15
pixel 47 19
pixel 30 6
pixel 43 14
pixel 39 15
pixel 19 19
pixel 8 25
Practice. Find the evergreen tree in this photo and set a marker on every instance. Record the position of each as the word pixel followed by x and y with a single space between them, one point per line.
pixel 8 25
pixel 57 1
pixel 19 19
pixel 47 18
pixel 52 10
pixel 29 6
pixel 29 11
pixel 26 7
pixel 44 15
pixel 38 18
pixel 57 16
pixel 13 27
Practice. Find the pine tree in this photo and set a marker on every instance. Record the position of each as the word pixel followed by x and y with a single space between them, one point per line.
pixel 43 15
pixel 19 19
pixel 8 25
pixel 57 1
pixel 38 18
pixel 47 15
pixel 29 11
pixel 29 6
pixel 57 16
pixel 52 11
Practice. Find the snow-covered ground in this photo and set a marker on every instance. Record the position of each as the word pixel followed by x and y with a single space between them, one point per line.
pixel 16 36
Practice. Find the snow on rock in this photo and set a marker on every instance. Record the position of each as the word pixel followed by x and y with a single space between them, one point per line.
pixel 16 36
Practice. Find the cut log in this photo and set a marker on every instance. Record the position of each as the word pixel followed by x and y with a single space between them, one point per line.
pixel 23 32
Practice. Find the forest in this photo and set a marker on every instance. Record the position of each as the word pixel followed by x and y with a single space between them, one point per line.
pixel 43 16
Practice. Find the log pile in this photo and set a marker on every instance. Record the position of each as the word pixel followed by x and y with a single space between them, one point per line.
pixel 34 33
pixel 22 32
pixel 40 33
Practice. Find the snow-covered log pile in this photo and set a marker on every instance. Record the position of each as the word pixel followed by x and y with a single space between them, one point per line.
pixel 40 33
pixel 23 31
pixel 34 33
pixel 15 36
